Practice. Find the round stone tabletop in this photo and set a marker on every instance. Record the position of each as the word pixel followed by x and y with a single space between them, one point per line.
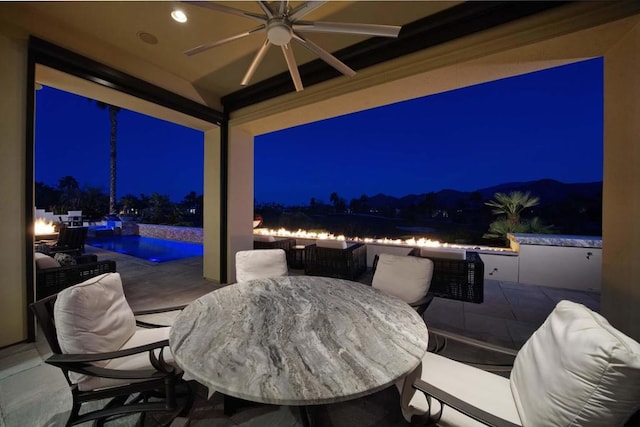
pixel 298 340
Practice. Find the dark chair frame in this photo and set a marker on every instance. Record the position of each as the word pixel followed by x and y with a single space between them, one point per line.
pixel 50 281
pixel 71 240
pixel 347 263
pixel 461 280
pixel 164 383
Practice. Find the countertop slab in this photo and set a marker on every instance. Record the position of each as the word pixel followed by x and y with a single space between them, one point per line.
pixel 556 240
pixel 298 340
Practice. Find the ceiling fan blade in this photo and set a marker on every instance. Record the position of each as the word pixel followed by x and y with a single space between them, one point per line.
pixel 324 55
pixel 293 67
pixel 283 7
pixel 266 9
pixel 347 28
pixel 304 9
pixel 256 62
pixel 226 9
pixel 211 45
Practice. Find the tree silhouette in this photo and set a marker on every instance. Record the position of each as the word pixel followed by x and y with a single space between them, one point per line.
pixel 113 118
pixel 510 207
pixel 338 202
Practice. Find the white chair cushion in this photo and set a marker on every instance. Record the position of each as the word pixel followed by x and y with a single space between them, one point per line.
pixel 93 316
pixel 260 264
pixel 481 389
pixel 576 369
pixel 45 261
pixel 448 253
pixel 406 277
pixel 330 243
pixel 135 362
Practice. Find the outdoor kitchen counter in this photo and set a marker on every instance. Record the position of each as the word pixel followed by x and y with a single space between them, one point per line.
pixel 517 239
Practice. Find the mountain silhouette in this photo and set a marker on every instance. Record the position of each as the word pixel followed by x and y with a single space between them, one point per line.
pixel 549 191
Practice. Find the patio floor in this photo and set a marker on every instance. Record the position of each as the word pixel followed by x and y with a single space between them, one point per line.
pixel 35 394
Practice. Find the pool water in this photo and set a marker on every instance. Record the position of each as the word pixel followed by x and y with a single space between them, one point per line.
pixel 148 248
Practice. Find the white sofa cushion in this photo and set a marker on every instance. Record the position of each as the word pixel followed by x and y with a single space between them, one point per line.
pixel 93 317
pixel 576 369
pixel 331 243
pixel 406 277
pixel 45 261
pixel 448 253
pixel 260 263
pixel 482 389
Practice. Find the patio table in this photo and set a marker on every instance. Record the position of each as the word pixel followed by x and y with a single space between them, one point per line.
pixel 298 340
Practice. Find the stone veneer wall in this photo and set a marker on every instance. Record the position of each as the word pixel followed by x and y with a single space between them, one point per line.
pixel 168 232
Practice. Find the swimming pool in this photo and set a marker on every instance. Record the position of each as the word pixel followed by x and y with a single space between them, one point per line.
pixel 148 248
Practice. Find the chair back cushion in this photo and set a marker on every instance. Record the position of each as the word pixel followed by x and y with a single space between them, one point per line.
pixel 577 370
pixel 406 277
pixel 93 316
pixel 331 243
pixel 260 264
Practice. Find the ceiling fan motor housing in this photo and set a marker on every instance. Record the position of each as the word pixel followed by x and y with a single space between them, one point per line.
pixel 279 31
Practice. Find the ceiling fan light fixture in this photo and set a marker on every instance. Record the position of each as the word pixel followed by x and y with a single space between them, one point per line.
pixel 179 16
pixel 279 33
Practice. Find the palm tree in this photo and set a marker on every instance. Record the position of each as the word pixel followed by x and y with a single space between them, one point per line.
pixel 512 205
pixel 113 117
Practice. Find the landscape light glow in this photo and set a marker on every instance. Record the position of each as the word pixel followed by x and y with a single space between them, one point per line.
pixel 412 242
pixel 43 227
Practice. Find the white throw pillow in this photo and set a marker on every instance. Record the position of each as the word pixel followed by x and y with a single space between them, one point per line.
pixel 406 277
pixel 93 316
pixel 45 261
pixel 576 370
pixel 448 253
pixel 260 264
pixel 330 243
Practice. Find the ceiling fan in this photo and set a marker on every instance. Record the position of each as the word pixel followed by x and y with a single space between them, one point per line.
pixel 283 25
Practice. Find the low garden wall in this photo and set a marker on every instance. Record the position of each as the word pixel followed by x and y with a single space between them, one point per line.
pixel 168 232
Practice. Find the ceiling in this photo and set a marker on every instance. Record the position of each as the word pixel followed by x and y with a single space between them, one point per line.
pixel 96 26
pixel 434 34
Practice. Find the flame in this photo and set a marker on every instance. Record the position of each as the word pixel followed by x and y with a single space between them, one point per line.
pixel 43 227
pixel 412 242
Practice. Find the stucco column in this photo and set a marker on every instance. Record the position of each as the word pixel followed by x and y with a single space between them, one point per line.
pixel 620 299
pixel 211 213
pixel 240 203
pixel 13 75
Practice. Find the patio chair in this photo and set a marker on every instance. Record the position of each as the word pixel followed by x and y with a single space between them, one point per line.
pixel 52 277
pixel 576 369
pixel 71 240
pixel 405 277
pixel 285 243
pixel 93 336
pixel 457 274
pixel 260 264
pixel 335 258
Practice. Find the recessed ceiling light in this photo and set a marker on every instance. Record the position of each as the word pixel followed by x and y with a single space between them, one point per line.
pixel 147 37
pixel 179 16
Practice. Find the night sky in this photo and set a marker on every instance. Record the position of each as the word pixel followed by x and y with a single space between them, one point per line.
pixel 547 124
